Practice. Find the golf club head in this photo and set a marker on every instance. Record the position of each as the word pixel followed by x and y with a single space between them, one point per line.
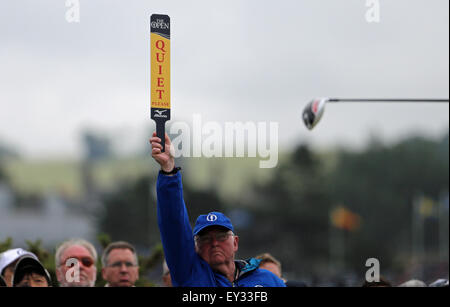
pixel 313 112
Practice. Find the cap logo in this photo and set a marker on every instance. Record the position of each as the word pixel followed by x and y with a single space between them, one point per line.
pixel 211 217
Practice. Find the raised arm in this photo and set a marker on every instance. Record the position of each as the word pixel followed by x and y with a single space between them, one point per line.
pixel 173 219
pixel 165 159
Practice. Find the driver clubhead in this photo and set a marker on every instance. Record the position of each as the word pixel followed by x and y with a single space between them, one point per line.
pixel 313 112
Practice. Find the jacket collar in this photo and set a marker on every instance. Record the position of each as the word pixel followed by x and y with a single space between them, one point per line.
pixel 245 266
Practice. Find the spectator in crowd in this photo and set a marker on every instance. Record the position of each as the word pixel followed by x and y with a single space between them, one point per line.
pixel 29 272
pixel 270 263
pixel 413 283
pixel 75 264
pixel 2 282
pixel 166 278
pixel 381 283
pixel 8 260
pixel 120 265
pixel 442 282
pixel 205 256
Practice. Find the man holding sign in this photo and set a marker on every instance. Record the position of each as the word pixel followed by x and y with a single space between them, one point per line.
pixel 205 256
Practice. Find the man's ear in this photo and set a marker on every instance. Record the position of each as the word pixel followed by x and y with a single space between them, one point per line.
pixel 59 274
pixel 197 250
pixel 103 274
pixel 236 243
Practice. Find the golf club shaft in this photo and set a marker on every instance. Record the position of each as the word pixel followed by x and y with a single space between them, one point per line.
pixel 388 100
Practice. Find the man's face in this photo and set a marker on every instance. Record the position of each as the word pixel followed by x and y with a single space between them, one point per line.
pixel 8 273
pixel 84 266
pixel 167 280
pixel 121 268
pixel 217 246
pixel 33 279
pixel 272 267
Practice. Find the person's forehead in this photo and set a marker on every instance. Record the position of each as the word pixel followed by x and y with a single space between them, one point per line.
pixel 76 251
pixel 33 275
pixel 269 265
pixel 120 253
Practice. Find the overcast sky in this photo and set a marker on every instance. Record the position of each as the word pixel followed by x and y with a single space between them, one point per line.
pixel 233 60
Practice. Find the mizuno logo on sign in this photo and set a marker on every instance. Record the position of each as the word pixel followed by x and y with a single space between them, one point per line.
pixel 159 113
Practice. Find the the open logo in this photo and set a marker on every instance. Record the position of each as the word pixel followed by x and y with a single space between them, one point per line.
pixel 211 217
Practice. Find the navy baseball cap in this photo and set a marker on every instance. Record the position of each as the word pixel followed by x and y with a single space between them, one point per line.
pixel 212 219
pixel 26 265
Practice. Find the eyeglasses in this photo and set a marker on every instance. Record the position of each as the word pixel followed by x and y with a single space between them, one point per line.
pixel 207 239
pixel 86 261
pixel 119 264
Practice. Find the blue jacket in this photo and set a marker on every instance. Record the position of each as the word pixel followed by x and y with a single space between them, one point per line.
pixel 186 267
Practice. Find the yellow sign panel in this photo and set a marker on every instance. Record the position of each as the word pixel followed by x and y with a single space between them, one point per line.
pixel 160 71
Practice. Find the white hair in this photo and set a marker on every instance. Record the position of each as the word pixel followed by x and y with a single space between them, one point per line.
pixel 58 265
pixel 65 245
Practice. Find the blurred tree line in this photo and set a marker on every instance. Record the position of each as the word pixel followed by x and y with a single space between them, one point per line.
pixel 293 214
pixel 21 200
pixel 289 216
pixel 378 185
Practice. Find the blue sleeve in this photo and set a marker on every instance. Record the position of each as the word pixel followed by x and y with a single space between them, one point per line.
pixel 176 232
pixel 274 281
pixel 280 283
pixel 267 279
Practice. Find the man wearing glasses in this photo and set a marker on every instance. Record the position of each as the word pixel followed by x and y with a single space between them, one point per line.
pixel 120 265
pixel 204 257
pixel 75 264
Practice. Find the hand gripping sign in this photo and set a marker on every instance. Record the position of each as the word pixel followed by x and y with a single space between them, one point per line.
pixel 160 73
